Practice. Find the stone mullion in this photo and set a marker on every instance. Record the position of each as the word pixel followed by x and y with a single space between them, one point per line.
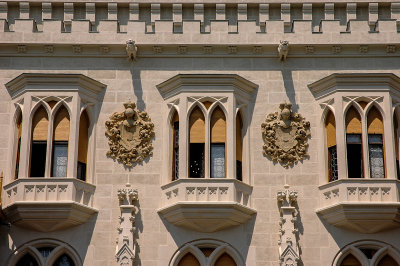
pixel 230 143
pixel 25 138
pixel 340 136
pixel 73 141
pixel 389 143
pixel 183 138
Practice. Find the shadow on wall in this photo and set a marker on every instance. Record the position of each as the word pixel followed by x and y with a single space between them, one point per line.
pixel 232 236
pixel 72 237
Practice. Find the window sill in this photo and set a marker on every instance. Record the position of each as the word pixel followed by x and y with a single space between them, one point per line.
pixel 48 204
pixel 363 205
pixel 206 205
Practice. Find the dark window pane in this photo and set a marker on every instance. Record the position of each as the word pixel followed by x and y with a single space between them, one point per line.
pixel 354 156
pixel 38 158
pixel 175 163
pixel 64 260
pixel 81 172
pixel 376 160
pixel 239 170
pixel 332 163
pixel 217 160
pixel 196 160
pixel 60 157
pixel 27 260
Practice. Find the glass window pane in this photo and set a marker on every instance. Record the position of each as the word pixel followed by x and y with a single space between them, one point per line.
pixel 332 163
pixel 64 260
pixel 45 251
pixel 196 160
pixel 27 260
pixel 353 138
pixel 60 157
pixel 375 138
pixel 376 163
pixel 217 160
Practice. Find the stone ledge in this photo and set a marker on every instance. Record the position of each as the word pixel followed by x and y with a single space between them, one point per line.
pixel 206 205
pixel 363 205
pixel 48 204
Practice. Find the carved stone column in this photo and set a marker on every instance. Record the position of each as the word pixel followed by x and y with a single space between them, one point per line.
pixel 126 243
pixel 288 246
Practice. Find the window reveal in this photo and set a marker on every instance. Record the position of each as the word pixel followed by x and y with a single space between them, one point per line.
pixel 330 130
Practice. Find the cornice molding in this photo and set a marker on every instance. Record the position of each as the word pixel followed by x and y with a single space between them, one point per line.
pixel 203 82
pixel 53 82
pixel 347 82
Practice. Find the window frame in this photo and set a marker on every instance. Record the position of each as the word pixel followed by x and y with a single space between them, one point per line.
pixel 231 92
pixel 76 93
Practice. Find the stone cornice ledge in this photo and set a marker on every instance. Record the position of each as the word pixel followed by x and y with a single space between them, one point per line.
pixel 347 82
pixel 205 82
pixel 53 82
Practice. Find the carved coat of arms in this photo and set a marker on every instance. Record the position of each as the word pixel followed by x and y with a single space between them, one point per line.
pixel 129 133
pixel 285 135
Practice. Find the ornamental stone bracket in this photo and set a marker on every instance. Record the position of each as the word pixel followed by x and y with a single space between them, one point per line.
pixel 126 243
pixel 130 133
pixel 288 245
pixel 285 136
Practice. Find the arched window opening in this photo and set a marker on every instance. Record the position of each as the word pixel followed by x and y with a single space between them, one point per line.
pixel 27 260
pixel 239 147
pixel 375 144
pixel 218 141
pixel 369 252
pixel 83 146
pixel 396 142
pixel 196 143
pixel 225 260
pixel 64 260
pixel 40 125
pixel 60 143
pixel 330 130
pixel 207 104
pixel 18 143
pixel 350 260
pixel 363 104
pixel 387 261
pixel 52 104
pixel 354 144
pixel 189 260
pixel 175 145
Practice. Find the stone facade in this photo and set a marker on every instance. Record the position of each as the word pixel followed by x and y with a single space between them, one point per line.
pixel 167 57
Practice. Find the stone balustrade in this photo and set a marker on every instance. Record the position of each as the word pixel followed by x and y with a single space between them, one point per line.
pixel 206 205
pixel 366 205
pixel 48 204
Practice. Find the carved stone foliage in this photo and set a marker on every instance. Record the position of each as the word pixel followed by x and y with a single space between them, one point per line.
pixel 288 232
pixel 285 135
pixel 130 133
pixel 126 242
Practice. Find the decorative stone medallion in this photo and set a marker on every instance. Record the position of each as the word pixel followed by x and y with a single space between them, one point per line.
pixel 285 135
pixel 130 133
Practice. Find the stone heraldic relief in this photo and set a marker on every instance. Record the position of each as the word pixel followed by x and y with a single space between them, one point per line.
pixel 285 136
pixel 130 133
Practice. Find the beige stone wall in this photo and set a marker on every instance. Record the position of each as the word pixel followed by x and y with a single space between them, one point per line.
pixel 278 81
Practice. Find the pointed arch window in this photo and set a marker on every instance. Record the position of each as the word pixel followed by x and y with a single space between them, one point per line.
pixel 27 260
pixel 225 260
pixel 239 146
pixel 354 143
pixel 83 145
pixel 175 145
pixel 60 143
pixel 196 143
pixel 330 130
pixel 18 142
pixel 218 140
pixel 64 260
pixel 375 144
pixel 40 124
pixel 350 260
